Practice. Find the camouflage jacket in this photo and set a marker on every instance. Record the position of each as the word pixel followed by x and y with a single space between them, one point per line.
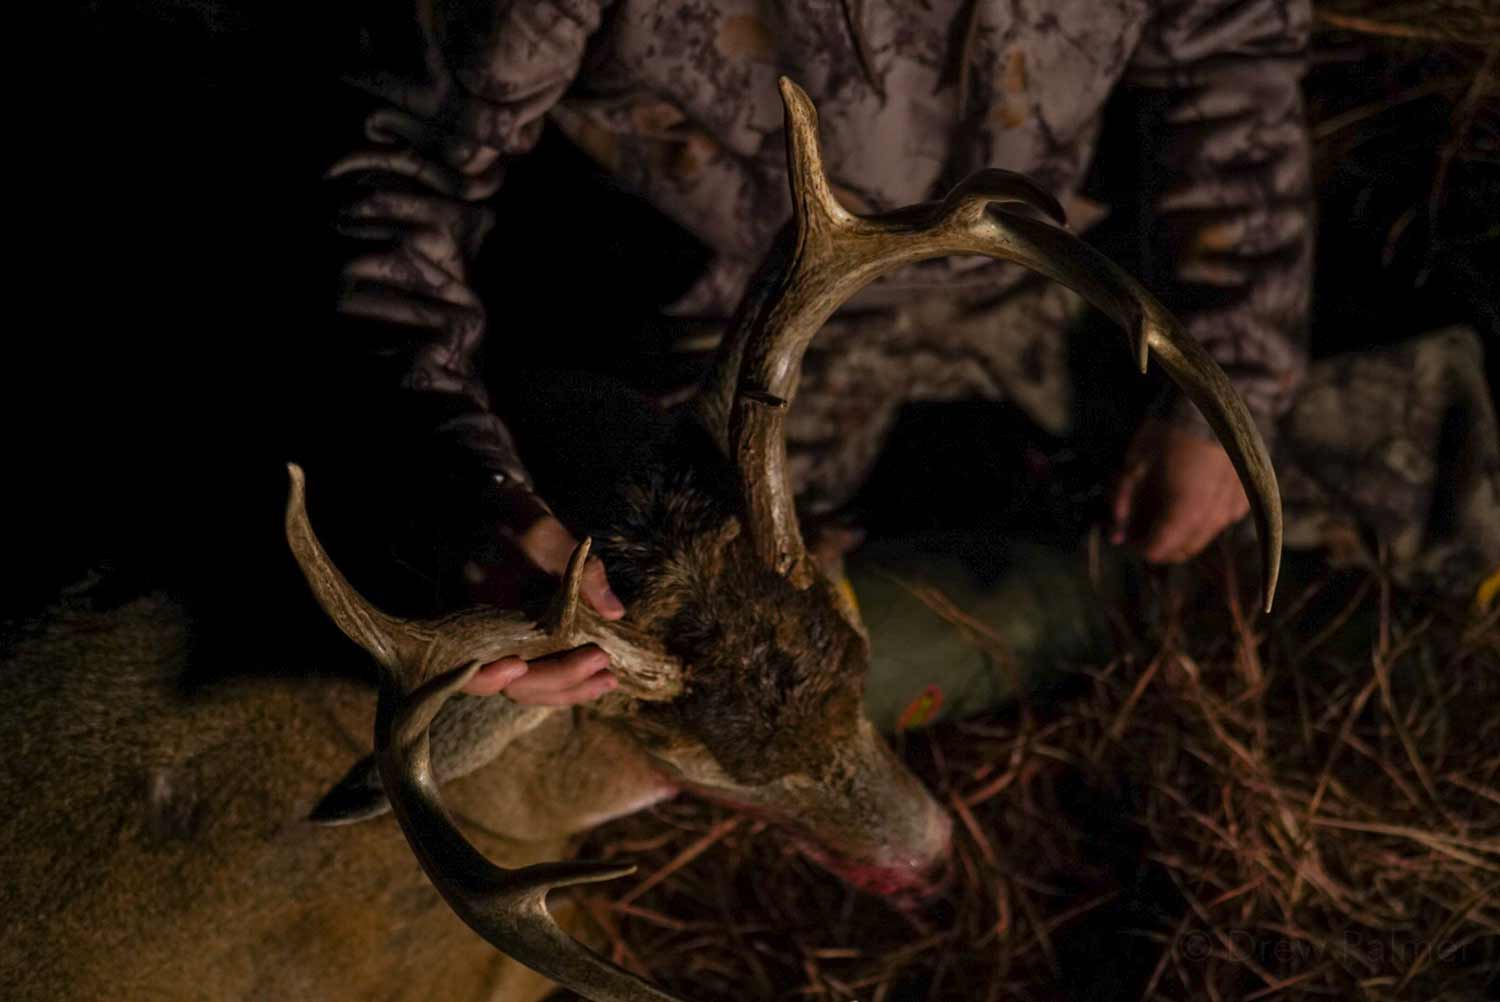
pixel 678 100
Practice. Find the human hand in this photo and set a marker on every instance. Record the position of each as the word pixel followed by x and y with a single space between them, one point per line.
pixel 534 541
pixel 1176 493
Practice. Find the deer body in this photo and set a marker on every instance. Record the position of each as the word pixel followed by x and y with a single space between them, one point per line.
pixel 173 858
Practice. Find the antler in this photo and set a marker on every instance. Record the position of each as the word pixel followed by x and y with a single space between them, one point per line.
pixel 506 907
pixel 829 254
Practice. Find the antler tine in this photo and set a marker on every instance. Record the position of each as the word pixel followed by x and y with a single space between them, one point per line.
pixel 828 255
pixel 508 908
pixel 385 637
pixel 561 620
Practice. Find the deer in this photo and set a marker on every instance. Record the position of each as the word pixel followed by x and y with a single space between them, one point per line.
pixel 196 848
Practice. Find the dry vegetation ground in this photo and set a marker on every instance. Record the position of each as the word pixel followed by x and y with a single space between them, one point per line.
pixel 1234 807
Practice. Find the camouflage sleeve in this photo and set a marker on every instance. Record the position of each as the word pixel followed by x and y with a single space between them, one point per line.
pixel 1227 179
pixel 446 93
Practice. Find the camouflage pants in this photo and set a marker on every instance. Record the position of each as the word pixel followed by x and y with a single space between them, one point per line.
pixel 1396 445
pixel 1402 444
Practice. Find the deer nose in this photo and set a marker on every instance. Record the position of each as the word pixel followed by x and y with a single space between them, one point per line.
pixel 927 856
pixel 892 838
pixel 914 869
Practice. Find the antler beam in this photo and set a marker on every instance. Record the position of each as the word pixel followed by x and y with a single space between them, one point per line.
pixel 828 254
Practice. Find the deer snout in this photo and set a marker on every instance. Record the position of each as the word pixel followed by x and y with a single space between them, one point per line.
pixel 906 872
pixel 882 831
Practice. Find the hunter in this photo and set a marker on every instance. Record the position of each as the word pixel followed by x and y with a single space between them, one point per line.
pixel 676 100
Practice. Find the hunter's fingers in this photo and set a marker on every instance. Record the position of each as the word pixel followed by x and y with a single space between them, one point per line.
pixel 550 681
pixel 549 545
pixel 495 676
pixel 596 589
pixel 1207 532
pixel 1176 548
pixel 590 689
pixel 1124 501
pixel 1229 509
pixel 562 679
pixel 1169 539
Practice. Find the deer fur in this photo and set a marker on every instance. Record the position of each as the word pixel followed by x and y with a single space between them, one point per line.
pixel 156 840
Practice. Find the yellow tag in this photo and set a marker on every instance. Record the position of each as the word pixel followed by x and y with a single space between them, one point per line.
pixel 1488 589
pixel 846 589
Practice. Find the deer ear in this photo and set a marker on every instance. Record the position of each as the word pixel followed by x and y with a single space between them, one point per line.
pixel 468 733
pixel 359 796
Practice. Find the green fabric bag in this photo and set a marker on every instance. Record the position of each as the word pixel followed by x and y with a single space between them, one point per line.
pixel 962 623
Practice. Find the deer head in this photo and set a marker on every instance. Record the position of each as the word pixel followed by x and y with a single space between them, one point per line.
pixel 741 666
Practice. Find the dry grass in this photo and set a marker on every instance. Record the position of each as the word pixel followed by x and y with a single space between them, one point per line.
pixel 1458 22
pixel 1408 91
pixel 1234 808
